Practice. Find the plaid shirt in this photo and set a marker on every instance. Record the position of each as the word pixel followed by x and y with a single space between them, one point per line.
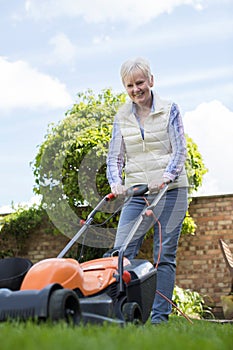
pixel 116 154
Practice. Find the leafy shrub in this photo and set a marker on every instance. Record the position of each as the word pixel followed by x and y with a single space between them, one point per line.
pixel 19 225
pixel 191 303
pixel 188 226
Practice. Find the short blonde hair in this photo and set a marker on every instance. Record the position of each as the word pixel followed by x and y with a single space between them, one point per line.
pixel 138 63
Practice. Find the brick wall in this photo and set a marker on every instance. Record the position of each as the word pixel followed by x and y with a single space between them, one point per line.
pixel 200 264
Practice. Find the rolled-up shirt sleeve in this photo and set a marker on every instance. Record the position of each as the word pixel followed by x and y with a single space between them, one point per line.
pixel 116 155
pixel 178 144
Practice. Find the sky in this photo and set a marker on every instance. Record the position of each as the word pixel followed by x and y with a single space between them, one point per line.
pixel 52 50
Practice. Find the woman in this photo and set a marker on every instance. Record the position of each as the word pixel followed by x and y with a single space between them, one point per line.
pixel 148 147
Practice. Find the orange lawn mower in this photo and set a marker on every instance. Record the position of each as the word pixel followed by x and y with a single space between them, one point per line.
pixel 109 289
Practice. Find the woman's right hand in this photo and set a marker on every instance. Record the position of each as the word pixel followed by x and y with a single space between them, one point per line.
pixel 118 189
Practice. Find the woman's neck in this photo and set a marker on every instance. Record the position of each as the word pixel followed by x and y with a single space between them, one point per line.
pixel 143 111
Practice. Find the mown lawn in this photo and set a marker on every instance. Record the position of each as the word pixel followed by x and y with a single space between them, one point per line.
pixel 177 334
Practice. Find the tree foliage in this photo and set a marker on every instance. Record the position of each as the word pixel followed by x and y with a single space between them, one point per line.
pixel 81 136
pixel 194 165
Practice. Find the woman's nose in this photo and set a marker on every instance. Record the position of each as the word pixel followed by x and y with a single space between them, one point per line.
pixel 136 88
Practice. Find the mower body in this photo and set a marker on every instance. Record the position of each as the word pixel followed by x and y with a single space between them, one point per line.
pixel 112 289
pixel 90 292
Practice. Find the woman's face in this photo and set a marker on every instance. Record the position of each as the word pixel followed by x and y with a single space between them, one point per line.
pixel 138 87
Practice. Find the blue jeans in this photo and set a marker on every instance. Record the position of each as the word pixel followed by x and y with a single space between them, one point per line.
pixel 170 211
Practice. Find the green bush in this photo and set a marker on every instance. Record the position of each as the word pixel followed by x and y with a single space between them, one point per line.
pixel 191 303
pixel 20 224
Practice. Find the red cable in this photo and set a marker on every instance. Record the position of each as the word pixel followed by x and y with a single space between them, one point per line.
pixel 167 299
pixel 158 260
pixel 160 234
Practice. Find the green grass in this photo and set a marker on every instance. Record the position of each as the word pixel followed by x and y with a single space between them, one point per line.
pixel 177 334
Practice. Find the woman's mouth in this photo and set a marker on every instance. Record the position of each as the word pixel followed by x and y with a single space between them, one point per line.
pixel 138 94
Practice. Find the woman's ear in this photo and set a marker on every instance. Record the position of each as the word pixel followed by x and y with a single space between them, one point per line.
pixel 151 81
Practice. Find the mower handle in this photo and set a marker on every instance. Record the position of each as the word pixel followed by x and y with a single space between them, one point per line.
pixel 137 190
pixel 121 251
pixel 85 224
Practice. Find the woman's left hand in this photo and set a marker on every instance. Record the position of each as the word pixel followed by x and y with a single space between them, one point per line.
pixel 154 186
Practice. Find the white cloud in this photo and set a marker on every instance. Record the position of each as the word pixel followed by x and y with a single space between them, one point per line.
pixel 210 125
pixel 135 12
pixel 197 76
pixel 22 86
pixel 192 95
pixel 171 37
pixel 33 201
pixel 6 209
pixel 64 51
pixel 103 39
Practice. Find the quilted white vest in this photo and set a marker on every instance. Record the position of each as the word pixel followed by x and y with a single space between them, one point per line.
pixel 147 159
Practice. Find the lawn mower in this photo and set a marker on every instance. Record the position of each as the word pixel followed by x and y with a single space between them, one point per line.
pixel 109 289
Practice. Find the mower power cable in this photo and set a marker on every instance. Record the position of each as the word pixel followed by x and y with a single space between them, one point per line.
pixel 150 212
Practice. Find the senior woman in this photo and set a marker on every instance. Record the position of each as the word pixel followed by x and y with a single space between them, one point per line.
pixel 148 147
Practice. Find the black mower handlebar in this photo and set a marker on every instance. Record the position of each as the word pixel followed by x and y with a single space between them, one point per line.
pixel 137 190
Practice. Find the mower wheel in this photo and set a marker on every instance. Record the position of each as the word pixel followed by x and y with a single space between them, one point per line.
pixel 132 313
pixel 64 305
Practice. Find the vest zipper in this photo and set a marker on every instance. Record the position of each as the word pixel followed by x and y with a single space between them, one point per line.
pixel 143 146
